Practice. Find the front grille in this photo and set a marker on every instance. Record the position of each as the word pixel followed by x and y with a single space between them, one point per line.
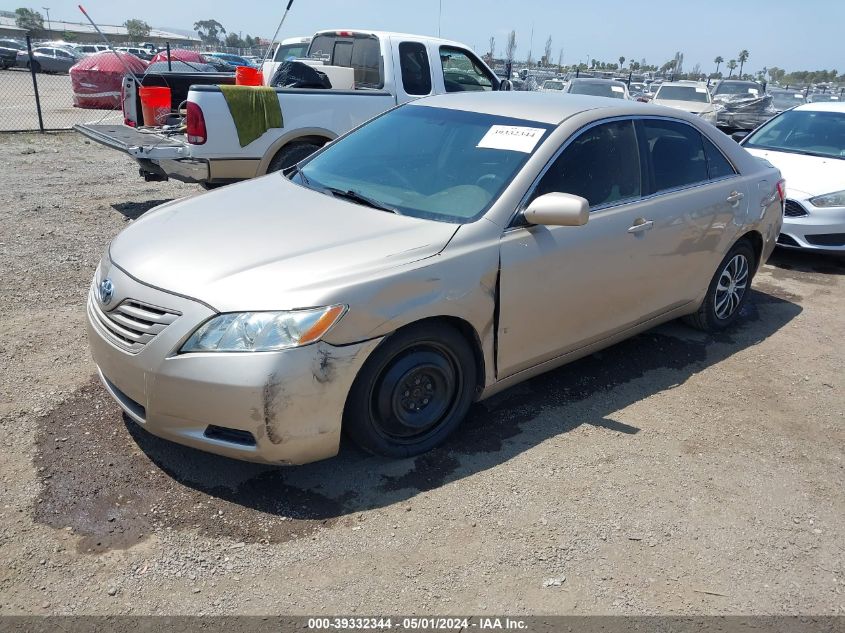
pixel 829 239
pixel 784 239
pixel 131 324
pixel 793 209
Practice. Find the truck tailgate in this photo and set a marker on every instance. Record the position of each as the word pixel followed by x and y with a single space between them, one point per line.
pixel 132 141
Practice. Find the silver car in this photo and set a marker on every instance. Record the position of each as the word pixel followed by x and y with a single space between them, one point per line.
pixel 440 253
pixel 49 60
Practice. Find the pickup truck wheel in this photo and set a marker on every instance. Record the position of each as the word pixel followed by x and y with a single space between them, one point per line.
pixel 291 154
pixel 413 391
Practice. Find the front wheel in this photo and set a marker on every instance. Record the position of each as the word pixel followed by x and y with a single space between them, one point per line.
pixel 290 155
pixel 413 391
pixel 728 290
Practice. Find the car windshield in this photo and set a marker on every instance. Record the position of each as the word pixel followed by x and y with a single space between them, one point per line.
pixel 739 88
pixel 803 132
pixel 596 89
pixel 435 163
pixel 683 93
pixel 786 100
pixel 822 97
pixel 287 52
pixel 553 85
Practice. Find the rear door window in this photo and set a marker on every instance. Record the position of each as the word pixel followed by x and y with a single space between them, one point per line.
pixel 416 73
pixel 462 72
pixel 717 165
pixel 676 154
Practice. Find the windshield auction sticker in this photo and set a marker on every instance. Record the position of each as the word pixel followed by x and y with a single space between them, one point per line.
pixel 512 137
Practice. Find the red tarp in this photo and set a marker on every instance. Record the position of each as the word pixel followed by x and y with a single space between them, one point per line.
pixel 179 54
pixel 96 79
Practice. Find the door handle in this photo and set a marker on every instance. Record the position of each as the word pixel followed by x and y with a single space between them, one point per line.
pixel 640 225
pixel 735 196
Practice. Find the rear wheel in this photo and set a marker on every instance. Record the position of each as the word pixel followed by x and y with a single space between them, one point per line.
pixel 291 154
pixel 412 392
pixel 728 290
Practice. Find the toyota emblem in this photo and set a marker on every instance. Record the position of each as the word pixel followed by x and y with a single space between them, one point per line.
pixel 106 291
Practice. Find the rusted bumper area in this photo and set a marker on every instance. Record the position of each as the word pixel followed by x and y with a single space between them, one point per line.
pixel 280 407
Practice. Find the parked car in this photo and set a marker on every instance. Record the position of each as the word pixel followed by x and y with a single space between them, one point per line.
pixel 552 85
pixel 368 72
pixel 90 49
pixel 48 60
pixel 140 53
pixel 743 105
pixel 9 49
pixel 288 49
pixel 786 99
pixel 692 97
pixel 822 97
pixel 598 88
pixel 807 144
pixel 365 290
pixel 229 58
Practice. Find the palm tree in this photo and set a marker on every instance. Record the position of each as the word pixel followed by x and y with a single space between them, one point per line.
pixel 743 57
pixel 718 61
pixel 732 66
pixel 621 62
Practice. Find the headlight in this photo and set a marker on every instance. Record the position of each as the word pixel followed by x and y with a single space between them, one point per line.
pixel 835 199
pixel 263 331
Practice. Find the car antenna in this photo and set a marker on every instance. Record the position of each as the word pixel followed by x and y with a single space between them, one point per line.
pixel 111 48
pixel 278 28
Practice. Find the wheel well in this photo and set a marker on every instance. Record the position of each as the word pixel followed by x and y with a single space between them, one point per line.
pixel 469 334
pixel 756 241
pixel 319 141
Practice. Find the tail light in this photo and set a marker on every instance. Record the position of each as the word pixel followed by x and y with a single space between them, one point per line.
pixel 782 189
pixel 196 124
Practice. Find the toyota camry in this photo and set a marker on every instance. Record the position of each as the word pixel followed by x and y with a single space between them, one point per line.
pixel 436 255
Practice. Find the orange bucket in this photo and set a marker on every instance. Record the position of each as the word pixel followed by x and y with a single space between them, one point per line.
pixel 155 104
pixel 247 76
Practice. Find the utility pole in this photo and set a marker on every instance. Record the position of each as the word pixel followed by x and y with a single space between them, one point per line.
pixel 49 26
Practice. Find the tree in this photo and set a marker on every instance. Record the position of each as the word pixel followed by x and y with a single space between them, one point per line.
pixel 492 50
pixel 718 61
pixel 621 61
pixel 560 61
pixel 209 31
pixel 732 66
pixel 510 49
pixel 742 57
pixel 547 51
pixel 28 19
pixel 138 30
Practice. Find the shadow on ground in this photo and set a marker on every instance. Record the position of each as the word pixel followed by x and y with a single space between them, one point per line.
pixel 114 484
pixel 808 261
pixel 134 210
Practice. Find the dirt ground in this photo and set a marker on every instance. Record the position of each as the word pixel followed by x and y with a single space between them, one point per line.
pixel 674 473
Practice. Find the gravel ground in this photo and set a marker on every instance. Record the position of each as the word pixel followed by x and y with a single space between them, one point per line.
pixel 674 473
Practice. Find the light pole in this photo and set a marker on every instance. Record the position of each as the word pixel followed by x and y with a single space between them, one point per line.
pixel 49 26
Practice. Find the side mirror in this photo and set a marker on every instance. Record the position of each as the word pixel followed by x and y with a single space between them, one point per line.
pixel 741 134
pixel 558 209
pixel 506 85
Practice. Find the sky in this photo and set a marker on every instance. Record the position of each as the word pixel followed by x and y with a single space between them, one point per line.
pixel 804 35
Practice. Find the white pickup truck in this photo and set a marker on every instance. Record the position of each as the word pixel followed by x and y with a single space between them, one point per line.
pixel 387 69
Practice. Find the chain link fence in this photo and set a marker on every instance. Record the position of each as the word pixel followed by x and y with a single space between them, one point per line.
pixel 36 92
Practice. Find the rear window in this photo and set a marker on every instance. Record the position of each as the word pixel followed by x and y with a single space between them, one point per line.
pixel 286 52
pixel 360 52
pixel 684 93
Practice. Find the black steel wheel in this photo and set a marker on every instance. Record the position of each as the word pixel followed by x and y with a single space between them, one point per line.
pixel 412 392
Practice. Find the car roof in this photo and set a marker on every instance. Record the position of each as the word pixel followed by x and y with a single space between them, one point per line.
pixel 688 84
pixel 595 80
pixel 823 106
pixel 542 107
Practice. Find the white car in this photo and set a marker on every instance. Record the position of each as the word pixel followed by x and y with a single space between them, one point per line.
pixel 807 144
pixel 692 97
pixel 552 85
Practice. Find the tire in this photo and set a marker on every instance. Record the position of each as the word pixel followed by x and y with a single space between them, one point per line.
pixel 413 391
pixel 728 290
pixel 291 154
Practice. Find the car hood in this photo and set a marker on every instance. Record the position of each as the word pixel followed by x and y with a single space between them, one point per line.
pixel 687 106
pixel 808 175
pixel 269 244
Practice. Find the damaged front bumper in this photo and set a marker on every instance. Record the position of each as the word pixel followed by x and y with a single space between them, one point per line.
pixel 281 407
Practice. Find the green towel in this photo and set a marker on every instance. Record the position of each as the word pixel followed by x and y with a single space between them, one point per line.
pixel 255 109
